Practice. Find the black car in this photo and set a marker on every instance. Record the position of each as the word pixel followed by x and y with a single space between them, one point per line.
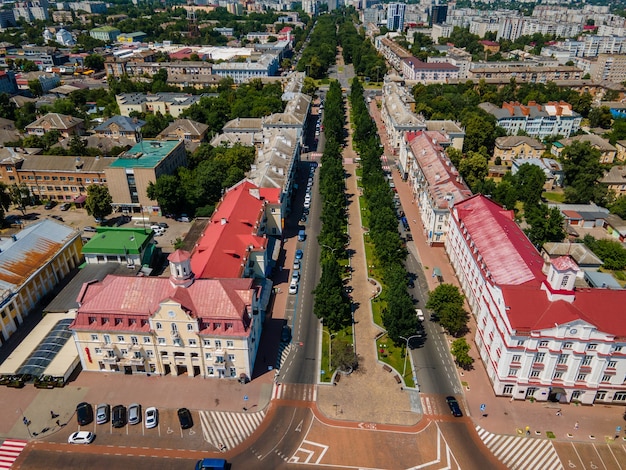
pixel 119 416
pixel 163 225
pixel 84 413
pixel 49 205
pixel 285 334
pixel 185 419
pixel 454 407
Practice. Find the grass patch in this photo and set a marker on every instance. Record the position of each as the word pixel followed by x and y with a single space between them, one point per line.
pixel 340 68
pixel 550 435
pixel 365 213
pixel 395 357
pixel 359 172
pixel 554 197
pixel 344 336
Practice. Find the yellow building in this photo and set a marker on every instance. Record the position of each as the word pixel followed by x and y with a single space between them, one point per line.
pixel 32 263
pixel 177 325
pixel 517 146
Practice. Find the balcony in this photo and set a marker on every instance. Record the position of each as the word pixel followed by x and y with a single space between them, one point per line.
pixel 110 360
pixel 538 365
pixel 561 367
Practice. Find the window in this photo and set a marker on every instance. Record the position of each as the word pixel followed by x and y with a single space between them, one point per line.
pixel 137 355
pixel 206 342
pixel 121 339
pixel 618 348
pixel 107 339
pixel 218 344
pixel 587 360
pixel 543 344
pixel 581 377
pixel 576 394
pixel 94 337
pixel 208 355
pixel 233 372
pixel 558 375
pixel 192 342
pixel 507 390
pixel 606 378
pixel 178 342
pixel 118 321
pixel 535 373
pixel 592 346
pixel 520 342
pixel 147 340
pixel 134 340
pixel 567 345
pixel 517 357
pixel 564 281
pixel 174 328
pixel 513 372
pixel 219 359
pixel 229 326
pixel 562 359
pixel 210 371
pixel 98 351
pixel 539 357
pixel 231 357
pixel 217 326
pixel 159 326
pixel 111 354
pixel 162 341
pixel 189 327
pixel 612 364
pixel 124 352
pixel 230 344
pixel 150 353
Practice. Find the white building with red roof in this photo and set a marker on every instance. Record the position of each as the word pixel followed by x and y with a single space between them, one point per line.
pixel 537 334
pixel 435 182
pixel 179 325
pixel 235 243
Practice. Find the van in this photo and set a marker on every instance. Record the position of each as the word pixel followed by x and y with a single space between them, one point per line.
pixel 301 235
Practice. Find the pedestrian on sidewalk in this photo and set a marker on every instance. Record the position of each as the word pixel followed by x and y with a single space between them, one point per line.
pixel 52 415
pixel 558 412
pixel 576 425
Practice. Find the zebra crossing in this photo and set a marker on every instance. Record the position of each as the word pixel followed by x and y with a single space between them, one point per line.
pixel 300 392
pixel 432 406
pixel 226 430
pixel 10 451
pixel 283 351
pixel 521 453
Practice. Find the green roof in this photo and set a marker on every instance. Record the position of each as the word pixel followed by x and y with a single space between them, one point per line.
pixel 145 154
pixel 118 241
pixel 558 144
pixel 104 29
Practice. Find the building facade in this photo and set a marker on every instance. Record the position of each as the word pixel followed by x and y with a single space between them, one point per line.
pixel 511 147
pixel 395 16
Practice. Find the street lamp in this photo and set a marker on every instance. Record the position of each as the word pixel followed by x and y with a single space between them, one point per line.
pixel 331 249
pixel 330 342
pixel 407 351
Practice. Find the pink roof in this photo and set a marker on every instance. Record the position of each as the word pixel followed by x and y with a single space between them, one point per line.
pixel 508 254
pixel 572 215
pixel 563 263
pixel 529 309
pixel 208 300
pixel 224 247
pixel 489 43
pixel 443 179
pixel 178 256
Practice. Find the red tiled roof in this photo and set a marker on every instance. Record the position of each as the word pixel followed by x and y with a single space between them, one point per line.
pixel 225 244
pixel 209 300
pixel 530 309
pixel 572 215
pixel 508 254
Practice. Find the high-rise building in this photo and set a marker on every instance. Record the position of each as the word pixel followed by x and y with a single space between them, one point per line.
pixel 395 16
pixel 438 14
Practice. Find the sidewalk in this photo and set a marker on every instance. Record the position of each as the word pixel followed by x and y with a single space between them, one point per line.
pixel 386 402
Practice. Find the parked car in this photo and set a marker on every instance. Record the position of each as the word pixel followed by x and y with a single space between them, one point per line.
pixel 152 417
pixel 89 228
pixel 119 416
pixel 299 254
pixel 295 276
pixel 57 217
pixel 420 314
pixel 163 225
pixel 103 413
pixel 84 413
pixel 296 265
pixel 293 287
pixel 307 204
pixel 65 206
pixel 134 413
pixel 49 205
pixel 183 218
pixel 285 334
pixel 100 220
pixel 301 235
pixel 454 407
pixel 81 437
pixel 184 418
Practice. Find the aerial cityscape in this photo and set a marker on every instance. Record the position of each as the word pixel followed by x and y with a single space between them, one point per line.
pixel 343 234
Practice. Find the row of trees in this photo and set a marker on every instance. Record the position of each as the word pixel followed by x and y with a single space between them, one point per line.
pixel 320 52
pixel 399 316
pixel 332 304
pixel 359 51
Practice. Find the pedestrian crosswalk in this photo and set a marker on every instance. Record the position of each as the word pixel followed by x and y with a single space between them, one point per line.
pixel 432 405
pixel 521 453
pixel 226 430
pixel 283 351
pixel 300 392
pixel 10 451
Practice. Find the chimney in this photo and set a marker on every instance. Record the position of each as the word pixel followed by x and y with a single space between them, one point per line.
pixel 224 221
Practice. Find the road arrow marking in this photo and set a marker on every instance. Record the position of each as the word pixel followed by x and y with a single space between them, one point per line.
pixel 299 426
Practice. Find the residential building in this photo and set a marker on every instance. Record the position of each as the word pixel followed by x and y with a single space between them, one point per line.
pixel 535 119
pixel 235 243
pixel 121 127
pixel 33 262
pixel 134 247
pixel 611 67
pixel 438 14
pixel 413 69
pixel 180 326
pixel 88 7
pixel 511 147
pixel 31 10
pixel 395 16
pixel 105 33
pixel 537 335
pixel 615 180
pixel 524 72
pixel 8 84
pixel 607 151
pixel 48 81
pixel 138 36
pixel 165 103
pixel 580 254
pixel 266 66
pixel 7 19
pixel 551 168
pixel 396 113
pixel 129 175
pixel 54 177
pixel 620 147
pixel 392 51
pixel 311 7
pixel 192 133
pixel 435 182
pixel 67 125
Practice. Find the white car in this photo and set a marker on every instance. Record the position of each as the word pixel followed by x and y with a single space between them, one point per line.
pixel 420 314
pixel 295 276
pixel 307 204
pixel 81 437
pixel 293 287
pixel 296 265
pixel 152 417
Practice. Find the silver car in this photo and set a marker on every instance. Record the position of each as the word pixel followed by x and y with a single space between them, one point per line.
pixel 103 413
pixel 134 413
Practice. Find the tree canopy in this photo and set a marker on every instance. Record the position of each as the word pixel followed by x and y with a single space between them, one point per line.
pixel 98 203
pixel 582 169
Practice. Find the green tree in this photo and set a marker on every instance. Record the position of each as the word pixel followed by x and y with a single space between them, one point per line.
pixel 95 62
pixel 35 87
pixel 444 295
pixel 343 358
pixel 331 304
pixel 611 252
pixel 529 181
pixel 77 146
pixel 582 169
pixel 98 203
pixel 20 195
pixel 7 107
pixel 600 117
pixel 460 350
pixel 618 206
pixel 545 224
pixel 5 201
pixel 473 168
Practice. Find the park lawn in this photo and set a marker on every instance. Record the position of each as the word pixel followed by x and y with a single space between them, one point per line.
pixel 365 212
pixel 344 335
pixel 394 356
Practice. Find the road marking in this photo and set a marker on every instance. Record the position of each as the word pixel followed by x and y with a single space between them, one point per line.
pixel 10 451
pixel 299 426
